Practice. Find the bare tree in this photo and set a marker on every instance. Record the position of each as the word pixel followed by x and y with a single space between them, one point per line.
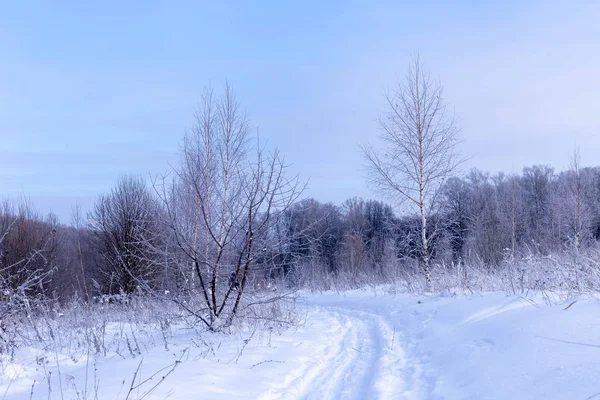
pixel 573 198
pixel 577 193
pixel 126 234
pixel 310 235
pixel 420 152
pixel 537 182
pixel 223 197
pixel 77 222
pixel 489 239
pixel 81 254
pixel 28 251
pixel 456 211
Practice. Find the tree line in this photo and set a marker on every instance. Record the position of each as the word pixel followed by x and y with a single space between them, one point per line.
pixel 128 241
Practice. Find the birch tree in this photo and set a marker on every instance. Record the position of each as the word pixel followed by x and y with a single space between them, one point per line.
pixel 575 192
pixel 420 142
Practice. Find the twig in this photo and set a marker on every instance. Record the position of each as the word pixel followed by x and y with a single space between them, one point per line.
pixel 132 387
pixel 267 361
pixel 246 341
pixel 569 306
pixel 31 393
pixel 161 380
pixel 530 301
pixel 59 376
pixel 593 396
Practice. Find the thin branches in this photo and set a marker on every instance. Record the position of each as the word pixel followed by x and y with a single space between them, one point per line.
pixel 223 197
pixel 420 142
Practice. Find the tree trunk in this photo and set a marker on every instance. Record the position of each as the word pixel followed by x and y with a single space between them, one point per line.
pixel 425 249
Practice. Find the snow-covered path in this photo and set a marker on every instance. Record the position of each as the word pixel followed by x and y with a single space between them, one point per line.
pixel 355 361
pixel 367 363
pixel 361 345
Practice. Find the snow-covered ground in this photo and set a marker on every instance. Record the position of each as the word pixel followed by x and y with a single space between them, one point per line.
pixel 355 345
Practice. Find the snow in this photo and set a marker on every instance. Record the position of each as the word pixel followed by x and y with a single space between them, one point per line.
pixel 353 345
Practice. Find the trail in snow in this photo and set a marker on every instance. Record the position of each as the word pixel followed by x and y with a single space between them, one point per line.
pixel 357 362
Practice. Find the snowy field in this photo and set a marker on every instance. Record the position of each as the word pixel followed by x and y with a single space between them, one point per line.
pixel 354 345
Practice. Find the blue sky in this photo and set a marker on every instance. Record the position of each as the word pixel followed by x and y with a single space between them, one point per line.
pixel 92 90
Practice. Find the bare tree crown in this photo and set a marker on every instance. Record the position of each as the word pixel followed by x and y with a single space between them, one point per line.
pixel 420 140
pixel 224 197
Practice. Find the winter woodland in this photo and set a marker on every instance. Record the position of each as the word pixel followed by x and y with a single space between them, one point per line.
pixel 223 243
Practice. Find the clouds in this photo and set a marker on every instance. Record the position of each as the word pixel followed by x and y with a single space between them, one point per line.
pixel 89 94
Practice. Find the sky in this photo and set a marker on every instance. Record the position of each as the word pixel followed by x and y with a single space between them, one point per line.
pixel 91 91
